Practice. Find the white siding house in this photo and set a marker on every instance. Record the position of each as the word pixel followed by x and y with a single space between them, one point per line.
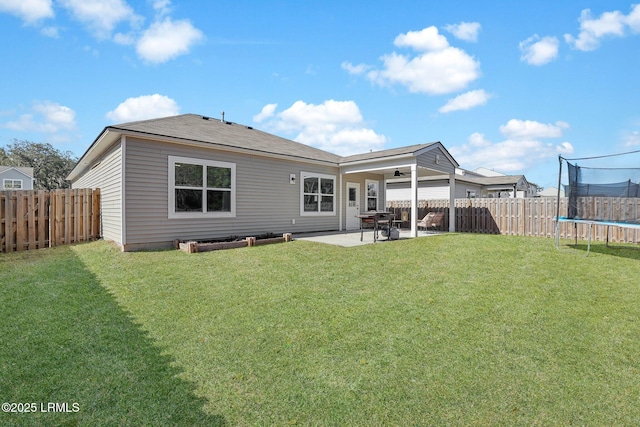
pixel 193 177
pixel 16 178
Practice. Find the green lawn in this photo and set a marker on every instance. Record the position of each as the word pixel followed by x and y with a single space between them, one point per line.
pixel 456 329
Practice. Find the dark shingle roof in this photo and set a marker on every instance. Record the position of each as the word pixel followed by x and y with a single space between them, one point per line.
pixel 499 180
pixel 198 129
pixel 386 153
pixel 194 127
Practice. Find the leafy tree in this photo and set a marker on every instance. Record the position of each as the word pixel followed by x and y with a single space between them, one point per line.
pixel 50 166
pixel 4 158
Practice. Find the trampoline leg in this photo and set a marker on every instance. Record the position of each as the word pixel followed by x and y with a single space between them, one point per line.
pixel 589 241
pixel 558 235
pixel 607 244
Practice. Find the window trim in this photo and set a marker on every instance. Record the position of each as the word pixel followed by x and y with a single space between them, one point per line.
pixel 172 160
pixel 13 181
pixel 304 175
pixel 366 186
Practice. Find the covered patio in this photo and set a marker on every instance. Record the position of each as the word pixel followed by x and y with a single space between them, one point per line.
pixel 411 162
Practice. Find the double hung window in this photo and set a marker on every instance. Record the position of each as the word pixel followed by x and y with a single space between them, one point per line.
pixel 201 188
pixel 12 184
pixel 372 195
pixel 318 194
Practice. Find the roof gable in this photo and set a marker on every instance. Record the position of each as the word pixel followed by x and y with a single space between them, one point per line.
pixel 26 171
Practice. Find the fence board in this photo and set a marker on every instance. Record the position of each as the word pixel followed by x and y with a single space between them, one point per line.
pixel 10 233
pixel 37 219
pixel 531 216
pixel 32 230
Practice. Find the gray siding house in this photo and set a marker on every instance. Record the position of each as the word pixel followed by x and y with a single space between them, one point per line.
pixel 467 186
pixel 194 177
pixel 16 178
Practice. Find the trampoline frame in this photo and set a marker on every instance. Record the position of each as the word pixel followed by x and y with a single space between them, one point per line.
pixel 590 223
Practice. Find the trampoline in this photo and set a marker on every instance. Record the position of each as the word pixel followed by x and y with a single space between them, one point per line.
pixel 599 192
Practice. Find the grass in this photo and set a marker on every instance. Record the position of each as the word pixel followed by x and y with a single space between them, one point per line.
pixel 457 329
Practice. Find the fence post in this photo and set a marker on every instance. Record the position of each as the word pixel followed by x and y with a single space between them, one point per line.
pixel 96 214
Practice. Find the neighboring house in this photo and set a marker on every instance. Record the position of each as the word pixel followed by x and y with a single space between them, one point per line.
pixel 551 192
pixel 16 178
pixel 467 185
pixel 496 184
pixel 193 177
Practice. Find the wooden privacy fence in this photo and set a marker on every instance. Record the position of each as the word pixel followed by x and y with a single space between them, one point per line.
pixel 528 216
pixel 41 219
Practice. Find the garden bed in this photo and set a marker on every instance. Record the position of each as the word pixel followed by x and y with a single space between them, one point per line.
pixel 231 242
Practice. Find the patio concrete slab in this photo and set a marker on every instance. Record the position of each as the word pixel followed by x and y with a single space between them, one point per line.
pixel 352 238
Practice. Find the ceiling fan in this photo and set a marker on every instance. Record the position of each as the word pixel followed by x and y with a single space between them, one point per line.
pixel 398 173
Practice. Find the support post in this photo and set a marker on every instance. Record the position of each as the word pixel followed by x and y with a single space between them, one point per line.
pixel 452 202
pixel 414 200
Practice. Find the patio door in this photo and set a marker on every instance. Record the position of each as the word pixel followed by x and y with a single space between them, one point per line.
pixel 353 205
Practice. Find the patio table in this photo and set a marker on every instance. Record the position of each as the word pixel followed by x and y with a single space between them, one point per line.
pixel 377 218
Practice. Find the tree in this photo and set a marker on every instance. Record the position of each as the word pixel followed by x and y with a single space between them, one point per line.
pixel 50 166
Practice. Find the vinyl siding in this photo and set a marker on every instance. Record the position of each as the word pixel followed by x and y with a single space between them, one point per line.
pixel 426 191
pixel 27 182
pixel 463 187
pixel 107 176
pixel 265 200
pixel 430 190
pixel 428 160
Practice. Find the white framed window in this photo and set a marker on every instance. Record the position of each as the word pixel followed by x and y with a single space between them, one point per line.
pixel 372 194
pixel 317 194
pixel 12 184
pixel 201 188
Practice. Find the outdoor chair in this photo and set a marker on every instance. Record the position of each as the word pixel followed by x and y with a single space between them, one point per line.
pixel 431 221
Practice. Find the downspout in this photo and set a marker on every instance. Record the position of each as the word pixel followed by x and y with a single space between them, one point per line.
pixel 123 211
pixel 340 202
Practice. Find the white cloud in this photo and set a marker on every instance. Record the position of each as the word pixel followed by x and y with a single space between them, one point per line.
pixel 522 149
pixel 438 69
pixel 267 112
pixel 162 7
pixel 334 126
pixel 631 138
pixel 101 16
pixel 608 24
pixel 355 69
pixel 30 11
pixel 633 19
pixel 477 139
pixel 467 31
pixel 167 40
pixel 163 40
pixel 424 40
pixel 466 101
pixel 127 39
pixel 50 31
pixel 530 129
pixel 539 51
pixel 143 108
pixel 44 117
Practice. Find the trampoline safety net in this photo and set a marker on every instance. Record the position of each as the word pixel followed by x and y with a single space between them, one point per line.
pixel 590 190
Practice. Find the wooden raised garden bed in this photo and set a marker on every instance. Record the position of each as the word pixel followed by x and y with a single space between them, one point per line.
pixel 230 243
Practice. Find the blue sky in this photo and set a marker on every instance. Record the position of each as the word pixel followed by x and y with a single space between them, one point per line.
pixel 503 85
